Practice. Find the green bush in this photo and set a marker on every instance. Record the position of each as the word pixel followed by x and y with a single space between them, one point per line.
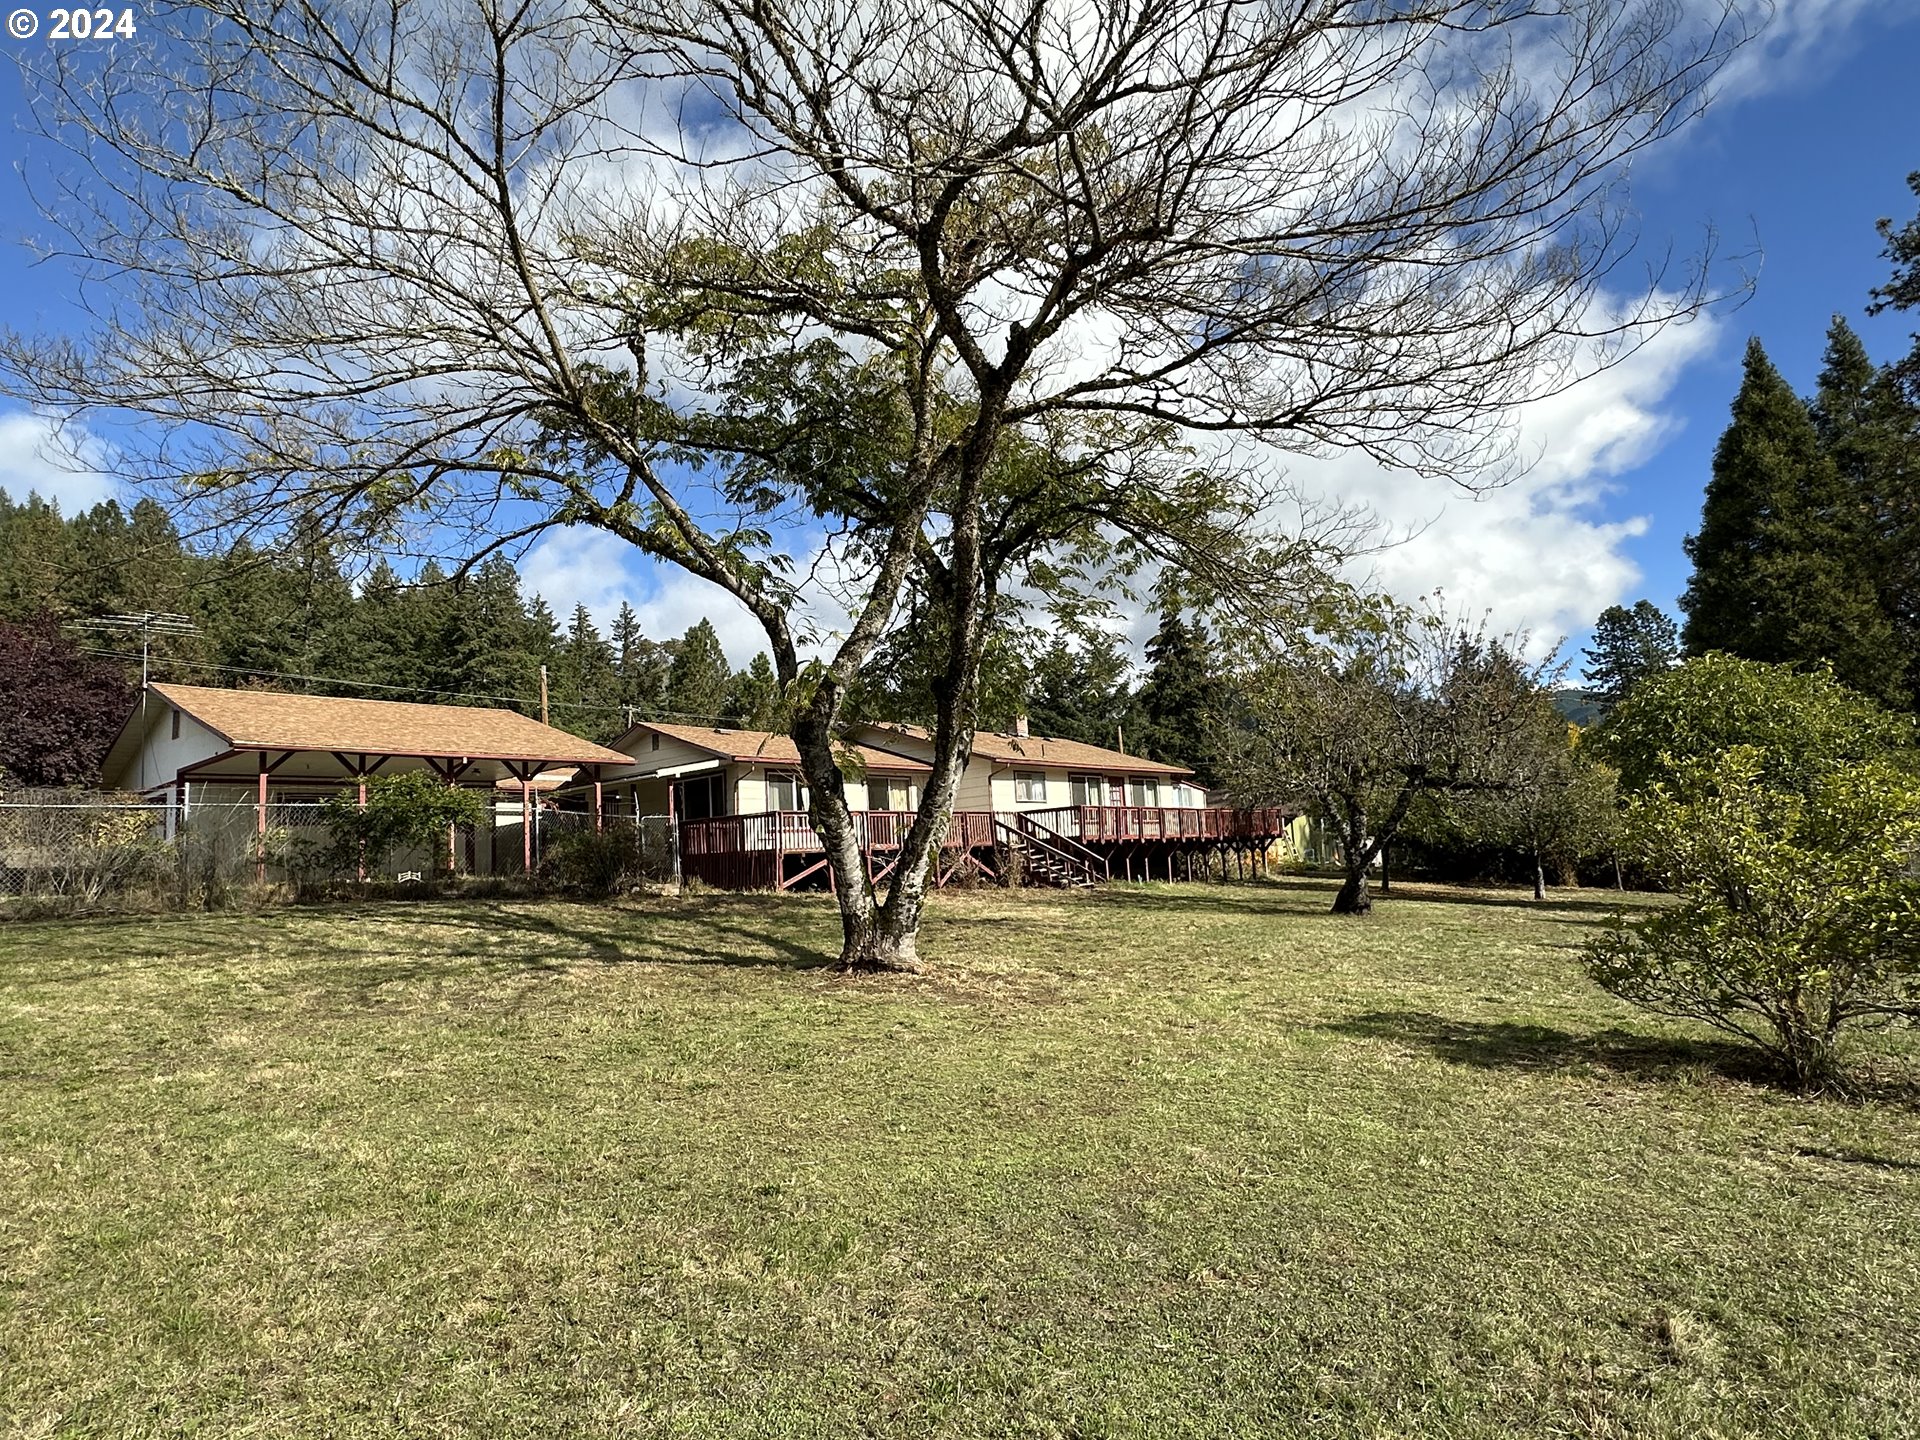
pixel 1798 914
pixel 595 865
pixel 1799 724
pixel 412 809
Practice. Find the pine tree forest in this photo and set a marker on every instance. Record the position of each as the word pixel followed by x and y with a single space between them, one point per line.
pixel 301 617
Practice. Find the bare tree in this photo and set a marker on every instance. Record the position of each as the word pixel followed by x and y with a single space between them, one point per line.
pixel 947 293
pixel 1359 728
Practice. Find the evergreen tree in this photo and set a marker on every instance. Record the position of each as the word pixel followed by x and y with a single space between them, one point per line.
pixel 1181 694
pixel 1628 646
pixel 585 682
pixel 697 684
pixel 486 645
pixel 1780 570
pixel 34 560
pixel 1080 692
pixel 754 699
pixel 1902 292
pixel 643 665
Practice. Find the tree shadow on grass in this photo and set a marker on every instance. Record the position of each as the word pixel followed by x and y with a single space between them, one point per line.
pixel 690 932
pixel 1310 896
pixel 1506 1045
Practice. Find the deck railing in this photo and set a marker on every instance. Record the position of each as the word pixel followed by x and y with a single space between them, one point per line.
pixel 1095 824
pixel 791 832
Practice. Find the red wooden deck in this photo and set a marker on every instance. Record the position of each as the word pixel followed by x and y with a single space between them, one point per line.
pixel 778 849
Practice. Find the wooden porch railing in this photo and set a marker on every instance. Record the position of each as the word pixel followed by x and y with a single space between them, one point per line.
pixel 791 832
pixel 1094 824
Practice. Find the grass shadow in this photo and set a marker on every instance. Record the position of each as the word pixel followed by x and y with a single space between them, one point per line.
pixel 1507 1045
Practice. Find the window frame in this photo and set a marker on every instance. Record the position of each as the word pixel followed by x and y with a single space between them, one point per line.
pixel 794 783
pixel 1025 780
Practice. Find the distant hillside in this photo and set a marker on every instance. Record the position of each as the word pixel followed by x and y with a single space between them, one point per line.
pixel 1581 707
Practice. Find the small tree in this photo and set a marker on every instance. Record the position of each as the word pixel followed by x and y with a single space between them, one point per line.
pixel 1629 646
pixel 59 709
pixel 1799 914
pixel 1362 727
pixel 412 810
pixel 1560 806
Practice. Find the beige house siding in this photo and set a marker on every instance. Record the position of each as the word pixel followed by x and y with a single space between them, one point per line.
pixel 672 753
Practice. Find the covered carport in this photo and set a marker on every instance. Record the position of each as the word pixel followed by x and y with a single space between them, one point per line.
pixel 181 739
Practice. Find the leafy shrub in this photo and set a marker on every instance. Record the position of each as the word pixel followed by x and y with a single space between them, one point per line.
pixel 597 865
pixel 1800 725
pixel 412 809
pixel 1798 914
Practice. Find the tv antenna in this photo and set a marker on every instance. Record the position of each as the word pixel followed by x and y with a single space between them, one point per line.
pixel 148 622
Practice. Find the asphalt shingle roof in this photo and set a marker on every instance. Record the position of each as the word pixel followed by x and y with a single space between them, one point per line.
pixel 267 719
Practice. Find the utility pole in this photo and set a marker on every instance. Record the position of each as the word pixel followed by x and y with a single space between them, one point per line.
pixel 543 695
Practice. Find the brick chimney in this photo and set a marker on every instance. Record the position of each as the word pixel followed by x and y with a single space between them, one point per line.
pixel 1019 727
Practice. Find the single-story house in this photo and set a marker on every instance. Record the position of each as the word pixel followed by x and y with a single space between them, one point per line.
pixel 188 745
pixel 694 772
pixel 1016 771
pixel 1073 812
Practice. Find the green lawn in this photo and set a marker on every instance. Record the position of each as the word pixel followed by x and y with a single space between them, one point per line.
pixel 1160 1161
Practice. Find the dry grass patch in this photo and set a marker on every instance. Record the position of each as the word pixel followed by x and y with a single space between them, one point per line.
pixel 1159 1161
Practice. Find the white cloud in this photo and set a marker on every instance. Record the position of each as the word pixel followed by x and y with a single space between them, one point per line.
pixel 1801 44
pixel 578 566
pixel 1540 553
pixel 36 458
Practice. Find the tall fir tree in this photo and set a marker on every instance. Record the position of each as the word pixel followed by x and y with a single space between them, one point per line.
pixel 643 665
pixel 1898 401
pixel 1081 691
pixel 1180 695
pixel 486 647
pixel 1628 646
pixel 698 681
pixel 1780 561
pixel 753 699
pixel 585 682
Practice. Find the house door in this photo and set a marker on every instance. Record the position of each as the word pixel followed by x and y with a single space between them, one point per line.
pixel 1116 792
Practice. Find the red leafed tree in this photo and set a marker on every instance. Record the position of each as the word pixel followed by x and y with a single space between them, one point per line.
pixel 59 709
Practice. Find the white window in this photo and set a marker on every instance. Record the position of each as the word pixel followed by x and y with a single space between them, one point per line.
pixel 1088 789
pixel 1030 787
pixel 890 794
pixel 1143 792
pixel 785 792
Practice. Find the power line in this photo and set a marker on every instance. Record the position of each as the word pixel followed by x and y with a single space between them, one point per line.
pixel 148 622
pixel 411 689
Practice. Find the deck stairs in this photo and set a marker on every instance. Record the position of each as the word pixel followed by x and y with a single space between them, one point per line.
pixel 1046 857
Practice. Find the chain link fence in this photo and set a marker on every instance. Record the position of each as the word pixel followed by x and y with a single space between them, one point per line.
pixel 73 852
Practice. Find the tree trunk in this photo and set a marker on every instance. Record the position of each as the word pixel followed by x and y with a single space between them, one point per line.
pixel 1357 855
pixel 833 819
pixel 1353 898
pixel 1539 879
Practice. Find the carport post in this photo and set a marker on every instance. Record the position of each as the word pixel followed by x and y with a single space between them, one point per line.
pixel 599 801
pixel 260 818
pixel 362 771
pixel 526 823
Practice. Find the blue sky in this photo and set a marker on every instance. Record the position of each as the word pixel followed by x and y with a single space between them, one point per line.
pixel 1809 148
